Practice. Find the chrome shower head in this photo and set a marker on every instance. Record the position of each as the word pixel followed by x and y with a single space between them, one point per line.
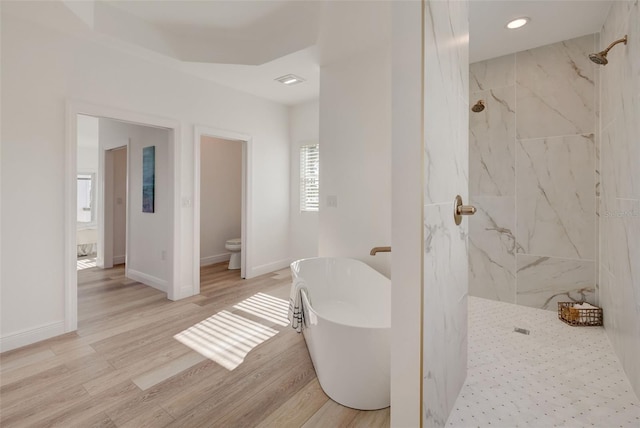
pixel 600 58
pixel 478 107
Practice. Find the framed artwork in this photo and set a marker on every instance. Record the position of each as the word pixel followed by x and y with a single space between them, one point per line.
pixel 148 178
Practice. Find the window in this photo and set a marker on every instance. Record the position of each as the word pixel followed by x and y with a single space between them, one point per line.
pixel 309 178
pixel 86 199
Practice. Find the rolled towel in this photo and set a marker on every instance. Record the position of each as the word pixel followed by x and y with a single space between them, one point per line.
pixel 296 314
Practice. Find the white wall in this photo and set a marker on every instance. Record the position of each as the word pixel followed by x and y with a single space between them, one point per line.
pixel 88 133
pixel 406 257
pixel 87 159
pixel 41 70
pixel 355 166
pixel 220 197
pixel 148 253
pixel 304 124
pixel 119 205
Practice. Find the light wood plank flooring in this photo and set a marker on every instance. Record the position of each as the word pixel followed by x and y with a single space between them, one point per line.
pixel 124 368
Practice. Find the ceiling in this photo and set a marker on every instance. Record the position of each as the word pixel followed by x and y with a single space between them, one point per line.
pixel 551 21
pixel 224 32
pixel 177 15
pixel 247 44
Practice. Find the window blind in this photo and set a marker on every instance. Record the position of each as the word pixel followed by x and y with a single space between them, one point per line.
pixel 309 177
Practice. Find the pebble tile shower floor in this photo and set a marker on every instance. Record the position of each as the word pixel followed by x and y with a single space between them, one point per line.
pixel 557 376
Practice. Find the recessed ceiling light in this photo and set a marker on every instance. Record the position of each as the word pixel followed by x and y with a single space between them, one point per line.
pixel 517 23
pixel 290 79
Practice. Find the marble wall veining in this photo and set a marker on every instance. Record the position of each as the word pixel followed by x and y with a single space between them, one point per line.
pixel 492 144
pixel 533 175
pixel 545 281
pixel 446 153
pixel 619 193
pixel 555 89
pixel 556 190
pixel 492 248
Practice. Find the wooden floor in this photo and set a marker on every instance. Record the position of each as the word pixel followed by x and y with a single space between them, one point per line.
pixel 124 368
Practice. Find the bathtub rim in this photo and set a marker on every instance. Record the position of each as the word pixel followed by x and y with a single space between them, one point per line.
pixel 325 318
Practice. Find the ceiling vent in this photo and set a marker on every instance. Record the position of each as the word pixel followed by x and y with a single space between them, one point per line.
pixel 290 79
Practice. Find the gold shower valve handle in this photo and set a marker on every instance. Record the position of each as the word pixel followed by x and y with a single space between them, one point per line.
pixel 459 210
pixel 466 210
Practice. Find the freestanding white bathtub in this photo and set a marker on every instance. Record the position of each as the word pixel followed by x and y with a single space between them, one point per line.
pixel 347 310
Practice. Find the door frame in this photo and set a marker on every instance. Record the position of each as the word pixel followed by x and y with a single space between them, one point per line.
pixel 73 109
pixel 247 190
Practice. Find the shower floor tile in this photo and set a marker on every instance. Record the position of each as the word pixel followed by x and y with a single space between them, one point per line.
pixel 557 375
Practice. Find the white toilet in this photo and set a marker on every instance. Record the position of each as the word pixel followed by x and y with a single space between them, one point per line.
pixel 234 246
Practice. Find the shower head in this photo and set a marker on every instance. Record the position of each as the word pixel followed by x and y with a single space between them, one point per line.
pixel 478 107
pixel 600 58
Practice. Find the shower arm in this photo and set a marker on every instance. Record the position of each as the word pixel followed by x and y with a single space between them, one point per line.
pixel 622 40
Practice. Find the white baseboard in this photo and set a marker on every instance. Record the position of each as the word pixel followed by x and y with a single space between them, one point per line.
pixel 268 268
pixel 218 258
pixel 118 260
pixel 31 335
pixel 151 281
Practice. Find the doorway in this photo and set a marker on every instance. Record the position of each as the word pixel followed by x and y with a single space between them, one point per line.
pixel 102 215
pixel 227 145
pixel 149 234
pixel 220 202
pixel 130 227
pixel 114 231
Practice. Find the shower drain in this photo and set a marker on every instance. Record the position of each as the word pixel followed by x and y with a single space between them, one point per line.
pixel 521 330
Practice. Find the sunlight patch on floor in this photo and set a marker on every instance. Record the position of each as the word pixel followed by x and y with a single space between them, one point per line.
pixel 86 263
pixel 225 338
pixel 266 307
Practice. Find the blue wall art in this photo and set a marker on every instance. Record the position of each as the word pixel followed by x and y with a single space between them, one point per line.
pixel 148 178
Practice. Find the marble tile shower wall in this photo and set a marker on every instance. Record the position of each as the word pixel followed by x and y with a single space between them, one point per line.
pixel 619 197
pixel 532 175
pixel 446 111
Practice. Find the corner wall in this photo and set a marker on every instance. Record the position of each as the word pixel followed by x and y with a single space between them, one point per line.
pixel 619 201
pixel 355 157
pixel 304 128
pixel 148 253
pixel 532 169
pixel 406 214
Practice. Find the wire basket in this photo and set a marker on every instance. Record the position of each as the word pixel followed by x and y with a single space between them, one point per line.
pixel 579 317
